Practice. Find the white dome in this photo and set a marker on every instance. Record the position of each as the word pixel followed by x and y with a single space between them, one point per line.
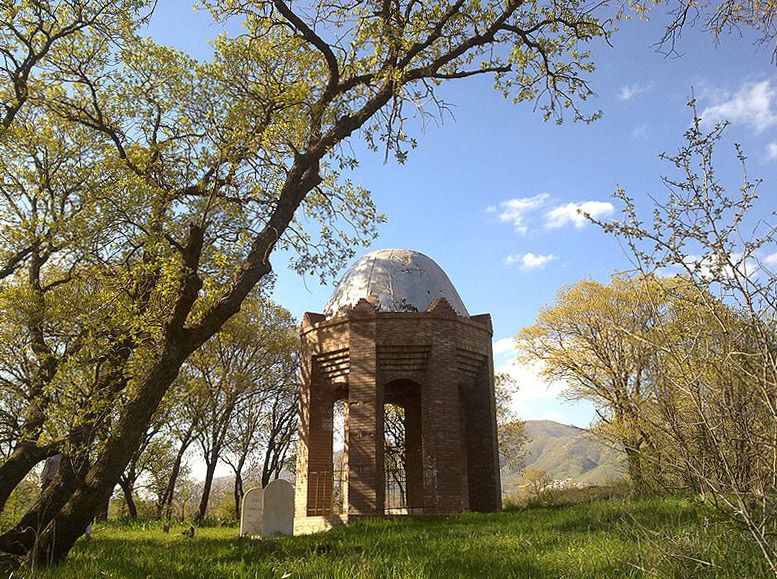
pixel 394 280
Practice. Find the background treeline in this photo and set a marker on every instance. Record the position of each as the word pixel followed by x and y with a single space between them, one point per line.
pixel 234 403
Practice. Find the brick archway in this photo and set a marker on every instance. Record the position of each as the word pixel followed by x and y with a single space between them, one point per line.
pixel 406 394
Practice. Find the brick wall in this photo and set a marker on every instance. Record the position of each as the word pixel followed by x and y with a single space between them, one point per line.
pixel 436 365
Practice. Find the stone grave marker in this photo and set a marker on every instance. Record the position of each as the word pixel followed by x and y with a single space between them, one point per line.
pixel 251 512
pixel 278 508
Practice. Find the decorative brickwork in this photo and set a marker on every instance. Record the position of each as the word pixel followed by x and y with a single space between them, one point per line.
pixel 438 366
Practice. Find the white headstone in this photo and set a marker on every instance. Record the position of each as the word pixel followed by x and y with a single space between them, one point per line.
pixel 278 508
pixel 251 512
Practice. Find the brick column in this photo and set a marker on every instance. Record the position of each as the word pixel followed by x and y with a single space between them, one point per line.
pixel 320 459
pixel 365 418
pixel 485 490
pixel 445 480
pixel 345 474
pixel 414 453
pixel 303 438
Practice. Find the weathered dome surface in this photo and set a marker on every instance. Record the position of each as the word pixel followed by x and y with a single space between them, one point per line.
pixel 394 280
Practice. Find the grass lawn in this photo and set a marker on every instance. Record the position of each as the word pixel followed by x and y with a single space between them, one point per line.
pixel 646 538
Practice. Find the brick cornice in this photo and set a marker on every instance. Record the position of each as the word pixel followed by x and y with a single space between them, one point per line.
pixel 312 323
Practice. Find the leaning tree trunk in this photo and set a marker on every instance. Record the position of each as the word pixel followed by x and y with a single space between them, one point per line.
pixel 18 465
pixel 20 539
pixel 62 530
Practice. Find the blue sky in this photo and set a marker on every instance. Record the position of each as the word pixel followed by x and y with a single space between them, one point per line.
pixel 491 195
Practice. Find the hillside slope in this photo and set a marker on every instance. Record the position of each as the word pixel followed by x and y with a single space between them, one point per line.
pixel 566 452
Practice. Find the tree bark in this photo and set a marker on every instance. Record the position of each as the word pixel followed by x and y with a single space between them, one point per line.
pixel 203 508
pixel 132 509
pixel 166 504
pixel 238 494
pixel 238 489
pixel 634 464
pixel 20 539
pixel 18 465
pixel 102 513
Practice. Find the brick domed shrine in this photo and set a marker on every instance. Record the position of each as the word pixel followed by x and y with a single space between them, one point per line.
pixel 396 332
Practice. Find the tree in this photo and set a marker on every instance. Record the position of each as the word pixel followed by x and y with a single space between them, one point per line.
pixel 221 162
pixel 37 37
pixel 598 339
pixel 536 481
pixel 716 18
pixel 151 457
pixel 158 464
pixel 249 365
pixel 279 428
pixel 719 381
pixel 48 182
pixel 395 455
pixel 181 427
pixel 242 445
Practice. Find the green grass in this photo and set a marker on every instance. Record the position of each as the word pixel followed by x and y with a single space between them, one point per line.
pixel 646 538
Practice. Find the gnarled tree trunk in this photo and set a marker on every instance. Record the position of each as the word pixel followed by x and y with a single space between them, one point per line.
pixel 61 529
pixel 20 539
pixel 19 464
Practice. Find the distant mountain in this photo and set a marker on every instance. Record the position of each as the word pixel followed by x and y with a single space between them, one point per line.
pixel 566 452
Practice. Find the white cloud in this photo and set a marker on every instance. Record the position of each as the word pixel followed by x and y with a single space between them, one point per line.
pixel 771 151
pixel 628 92
pixel 751 105
pixel 573 213
pixel 531 385
pixel 503 346
pixel 770 260
pixel 641 132
pixel 514 211
pixel 532 388
pixel 535 397
pixel 714 267
pixel 529 260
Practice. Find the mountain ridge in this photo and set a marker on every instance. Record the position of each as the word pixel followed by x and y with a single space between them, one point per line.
pixel 565 453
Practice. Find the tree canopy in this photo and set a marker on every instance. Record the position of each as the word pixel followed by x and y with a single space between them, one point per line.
pixel 178 180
